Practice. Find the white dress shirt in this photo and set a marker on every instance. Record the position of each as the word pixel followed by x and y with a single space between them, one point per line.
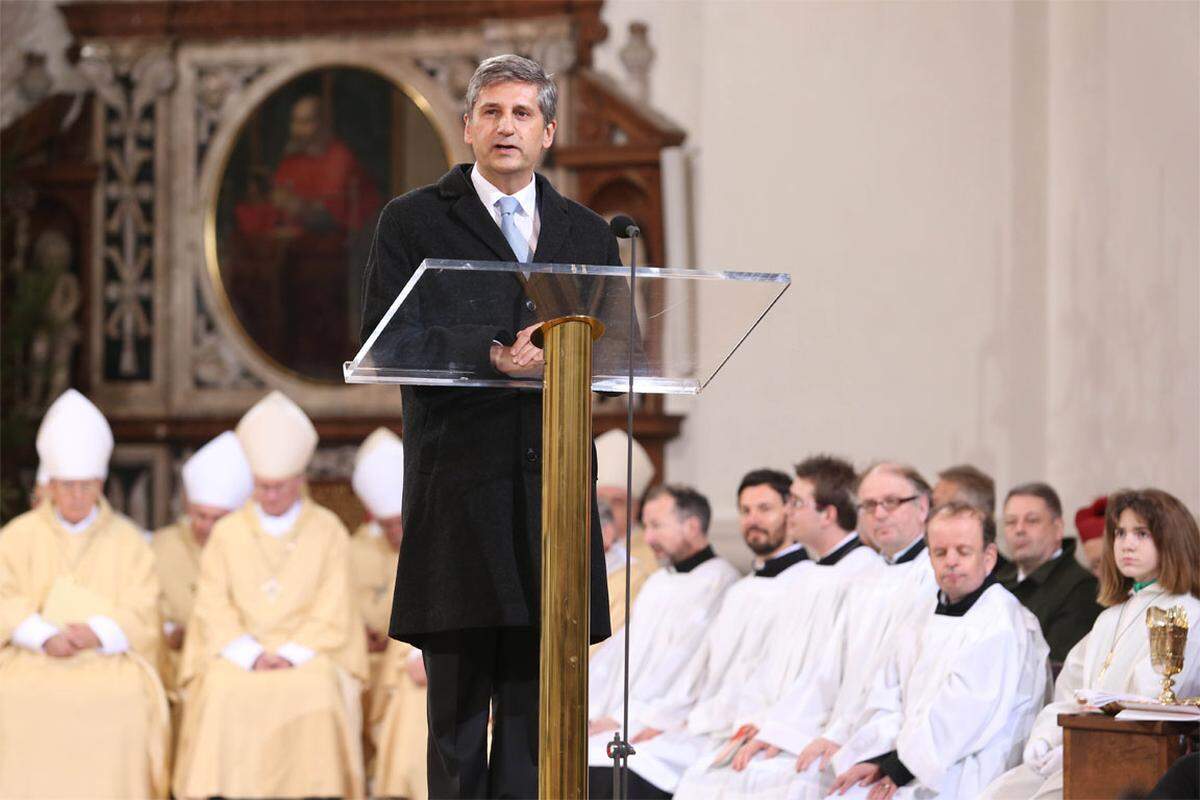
pixel 528 221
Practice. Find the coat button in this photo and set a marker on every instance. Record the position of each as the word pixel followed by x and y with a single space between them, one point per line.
pixel 531 455
pixel 530 305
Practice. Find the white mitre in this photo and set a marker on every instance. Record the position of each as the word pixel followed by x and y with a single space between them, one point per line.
pixel 610 458
pixel 277 437
pixel 74 441
pixel 43 474
pixel 379 474
pixel 218 474
pixel 378 435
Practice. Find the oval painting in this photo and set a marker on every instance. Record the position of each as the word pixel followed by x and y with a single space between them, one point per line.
pixel 303 186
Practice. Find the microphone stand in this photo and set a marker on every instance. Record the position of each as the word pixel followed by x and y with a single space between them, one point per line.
pixel 619 749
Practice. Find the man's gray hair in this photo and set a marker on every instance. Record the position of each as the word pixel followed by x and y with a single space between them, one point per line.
pixel 505 68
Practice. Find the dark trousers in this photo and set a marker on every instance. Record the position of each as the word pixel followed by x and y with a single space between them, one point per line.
pixel 471 672
pixel 600 786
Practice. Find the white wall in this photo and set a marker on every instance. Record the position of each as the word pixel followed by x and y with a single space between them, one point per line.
pixel 982 207
pixel 1124 334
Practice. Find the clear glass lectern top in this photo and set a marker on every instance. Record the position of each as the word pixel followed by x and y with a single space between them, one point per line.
pixel 439 329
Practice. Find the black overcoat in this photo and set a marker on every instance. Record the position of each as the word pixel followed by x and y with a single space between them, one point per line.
pixel 471 552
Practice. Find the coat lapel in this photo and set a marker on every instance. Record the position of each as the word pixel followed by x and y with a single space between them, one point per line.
pixel 467 209
pixel 555 224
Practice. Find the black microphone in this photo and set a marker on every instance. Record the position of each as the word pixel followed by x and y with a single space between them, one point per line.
pixel 624 227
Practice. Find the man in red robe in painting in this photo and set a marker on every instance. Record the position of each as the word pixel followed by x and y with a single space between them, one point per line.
pixel 299 232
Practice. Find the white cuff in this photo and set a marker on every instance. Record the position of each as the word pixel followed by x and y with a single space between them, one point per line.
pixel 112 638
pixel 33 632
pixel 295 653
pixel 415 655
pixel 243 651
pixel 169 627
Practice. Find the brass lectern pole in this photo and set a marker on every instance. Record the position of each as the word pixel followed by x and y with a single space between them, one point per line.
pixel 566 531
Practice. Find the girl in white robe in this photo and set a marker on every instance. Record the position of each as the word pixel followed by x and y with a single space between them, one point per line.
pixel 1151 558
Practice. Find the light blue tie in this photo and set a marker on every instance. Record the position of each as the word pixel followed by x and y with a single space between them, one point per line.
pixel 509 206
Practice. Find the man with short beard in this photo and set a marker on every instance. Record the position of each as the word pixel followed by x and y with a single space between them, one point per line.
pixel 665 744
pixel 827 679
pixel 791 623
pixel 669 622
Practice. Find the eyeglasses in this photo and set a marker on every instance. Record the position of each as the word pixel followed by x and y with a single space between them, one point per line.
pixel 797 502
pixel 889 504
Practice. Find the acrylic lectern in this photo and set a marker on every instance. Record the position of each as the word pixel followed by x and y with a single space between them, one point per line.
pixel 682 328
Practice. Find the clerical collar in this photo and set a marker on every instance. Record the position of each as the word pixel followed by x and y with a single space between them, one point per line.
pixel 843 548
pixel 964 605
pixel 788 558
pixel 1043 569
pixel 1139 585
pixel 82 525
pixel 614 558
pixel 280 525
pixel 695 560
pixel 907 554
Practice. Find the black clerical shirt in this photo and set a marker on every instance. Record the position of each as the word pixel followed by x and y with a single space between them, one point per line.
pixel 773 566
pixel 696 559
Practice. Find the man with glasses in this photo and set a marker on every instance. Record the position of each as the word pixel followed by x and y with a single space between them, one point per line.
pixel 817 711
pixel 81 712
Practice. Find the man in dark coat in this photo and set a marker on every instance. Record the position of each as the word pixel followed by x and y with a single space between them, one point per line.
pixel 1044 574
pixel 467 586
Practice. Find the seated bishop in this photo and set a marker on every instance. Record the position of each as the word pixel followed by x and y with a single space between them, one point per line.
pixel 959 694
pixel 394 705
pixel 273 663
pixel 815 685
pixel 612 474
pixel 668 620
pixel 82 711
pixel 698 713
pixel 216 481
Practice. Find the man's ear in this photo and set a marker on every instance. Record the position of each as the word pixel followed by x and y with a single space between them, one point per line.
pixel 548 134
pixel 922 502
pixel 990 555
pixel 467 128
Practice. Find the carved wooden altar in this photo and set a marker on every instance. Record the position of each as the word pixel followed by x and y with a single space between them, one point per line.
pixel 120 195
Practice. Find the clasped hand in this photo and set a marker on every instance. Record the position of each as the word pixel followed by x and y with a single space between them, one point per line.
pixel 523 359
pixel 75 639
pixel 271 661
pixel 864 774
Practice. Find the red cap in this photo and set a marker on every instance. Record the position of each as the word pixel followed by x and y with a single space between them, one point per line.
pixel 1089 520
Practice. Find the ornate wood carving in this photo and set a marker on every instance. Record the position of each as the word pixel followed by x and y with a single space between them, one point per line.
pixel 45 252
pixel 169 79
pixel 254 19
